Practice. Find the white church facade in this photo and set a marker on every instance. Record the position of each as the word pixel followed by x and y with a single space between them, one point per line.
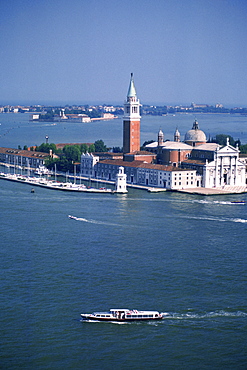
pixel 226 170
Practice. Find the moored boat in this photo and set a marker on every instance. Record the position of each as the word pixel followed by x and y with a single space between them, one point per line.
pixel 122 315
pixel 42 170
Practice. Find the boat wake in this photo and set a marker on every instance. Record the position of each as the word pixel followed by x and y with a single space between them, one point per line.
pixel 92 221
pixel 218 202
pixel 209 218
pixel 219 219
pixel 206 315
pixel 212 202
pixel 191 201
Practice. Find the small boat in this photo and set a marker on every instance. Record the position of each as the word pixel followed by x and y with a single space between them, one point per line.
pixel 42 170
pixel 238 202
pixel 156 190
pixel 122 315
pixel 72 217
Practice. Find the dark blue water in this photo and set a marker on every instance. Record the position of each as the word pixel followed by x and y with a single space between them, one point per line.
pixel 179 254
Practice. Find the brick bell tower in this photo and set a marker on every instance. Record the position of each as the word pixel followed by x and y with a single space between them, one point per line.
pixel 131 120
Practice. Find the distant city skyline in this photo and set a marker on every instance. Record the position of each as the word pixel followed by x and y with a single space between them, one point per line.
pixel 80 52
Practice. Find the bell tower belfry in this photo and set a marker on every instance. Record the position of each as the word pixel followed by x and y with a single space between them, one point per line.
pixel 131 120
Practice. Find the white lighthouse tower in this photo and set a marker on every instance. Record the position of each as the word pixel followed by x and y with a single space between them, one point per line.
pixel 120 184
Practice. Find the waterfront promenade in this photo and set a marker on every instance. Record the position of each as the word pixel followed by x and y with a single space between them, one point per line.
pixel 216 191
pixel 225 190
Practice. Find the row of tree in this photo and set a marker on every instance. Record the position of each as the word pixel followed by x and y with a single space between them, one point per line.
pixel 222 139
pixel 70 154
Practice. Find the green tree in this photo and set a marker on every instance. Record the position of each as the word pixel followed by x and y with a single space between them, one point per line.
pixel 72 153
pixel 117 149
pixel 243 149
pixel 61 164
pixel 84 148
pixel 45 148
pixel 222 138
pixel 91 148
pixel 100 146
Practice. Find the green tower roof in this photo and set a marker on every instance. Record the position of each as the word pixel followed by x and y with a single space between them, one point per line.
pixel 132 90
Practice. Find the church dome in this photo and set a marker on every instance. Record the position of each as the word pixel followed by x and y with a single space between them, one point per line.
pixel 195 135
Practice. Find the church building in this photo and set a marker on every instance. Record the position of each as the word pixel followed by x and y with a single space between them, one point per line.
pixel 173 164
pixel 219 166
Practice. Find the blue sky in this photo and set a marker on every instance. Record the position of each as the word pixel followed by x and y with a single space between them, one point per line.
pixel 78 51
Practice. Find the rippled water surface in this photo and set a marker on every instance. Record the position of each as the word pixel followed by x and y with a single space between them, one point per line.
pixel 180 254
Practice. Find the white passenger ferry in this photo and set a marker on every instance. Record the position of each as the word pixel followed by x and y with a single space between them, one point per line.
pixel 122 314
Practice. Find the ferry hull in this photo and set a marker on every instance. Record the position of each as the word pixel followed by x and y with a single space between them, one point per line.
pixel 122 315
pixel 115 319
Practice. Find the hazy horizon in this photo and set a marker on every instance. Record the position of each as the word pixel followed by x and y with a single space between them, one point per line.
pixel 96 103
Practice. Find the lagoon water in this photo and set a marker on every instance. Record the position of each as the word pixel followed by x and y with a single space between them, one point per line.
pixel 181 254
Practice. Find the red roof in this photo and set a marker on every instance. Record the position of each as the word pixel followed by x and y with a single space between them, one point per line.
pixel 24 153
pixel 141 164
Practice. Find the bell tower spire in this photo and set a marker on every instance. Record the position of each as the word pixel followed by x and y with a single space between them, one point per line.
pixel 132 90
pixel 131 120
